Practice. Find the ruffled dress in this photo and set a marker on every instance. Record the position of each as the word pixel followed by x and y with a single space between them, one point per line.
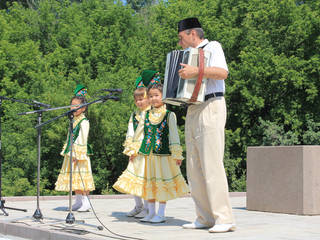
pixel 132 178
pixel 81 170
pixel 161 178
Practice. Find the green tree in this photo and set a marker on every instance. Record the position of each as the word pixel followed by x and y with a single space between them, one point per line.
pixel 272 50
pixel 26 3
pixel 44 54
pixel 139 4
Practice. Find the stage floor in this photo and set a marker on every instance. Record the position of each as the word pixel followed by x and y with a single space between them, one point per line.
pixel 111 210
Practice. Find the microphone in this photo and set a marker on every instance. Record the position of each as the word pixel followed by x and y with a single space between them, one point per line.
pixel 105 98
pixel 114 98
pixel 41 104
pixel 118 90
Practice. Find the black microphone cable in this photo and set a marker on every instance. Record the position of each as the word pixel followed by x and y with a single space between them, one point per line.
pixel 123 237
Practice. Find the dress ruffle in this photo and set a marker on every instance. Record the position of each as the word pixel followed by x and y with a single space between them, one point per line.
pixel 164 180
pixel 131 181
pixel 159 178
pixel 157 114
pixel 162 190
pixel 81 176
pixel 78 151
pixel 176 152
pixel 131 147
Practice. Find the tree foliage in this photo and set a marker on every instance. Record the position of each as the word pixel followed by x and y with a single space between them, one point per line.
pixel 272 92
pixel 137 5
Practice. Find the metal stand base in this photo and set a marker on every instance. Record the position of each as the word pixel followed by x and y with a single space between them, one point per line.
pixel 70 218
pixel 53 221
pixel 2 207
pixel 37 215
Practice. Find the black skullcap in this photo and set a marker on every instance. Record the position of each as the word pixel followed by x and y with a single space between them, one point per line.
pixel 188 23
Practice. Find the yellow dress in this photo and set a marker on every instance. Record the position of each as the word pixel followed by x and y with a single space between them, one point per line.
pixel 153 176
pixel 163 178
pixel 132 179
pixel 81 171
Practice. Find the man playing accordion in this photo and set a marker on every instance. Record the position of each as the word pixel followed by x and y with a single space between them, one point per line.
pixel 204 134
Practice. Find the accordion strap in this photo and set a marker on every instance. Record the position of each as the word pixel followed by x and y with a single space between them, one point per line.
pixel 196 89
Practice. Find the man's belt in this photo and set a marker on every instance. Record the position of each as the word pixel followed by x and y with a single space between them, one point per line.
pixel 213 95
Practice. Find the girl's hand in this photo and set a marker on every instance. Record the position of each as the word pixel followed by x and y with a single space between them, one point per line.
pixel 75 160
pixel 179 162
pixel 131 158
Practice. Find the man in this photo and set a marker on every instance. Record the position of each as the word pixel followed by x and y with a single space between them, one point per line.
pixel 205 125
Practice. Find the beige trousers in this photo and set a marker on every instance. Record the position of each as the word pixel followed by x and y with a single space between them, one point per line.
pixel 204 131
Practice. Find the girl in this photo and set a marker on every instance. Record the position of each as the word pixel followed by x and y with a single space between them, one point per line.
pixel 82 180
pixel 130 180
pixel 163 156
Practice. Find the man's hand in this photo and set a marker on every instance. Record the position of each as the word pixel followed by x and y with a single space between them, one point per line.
pixel 188 72
pixel 131 158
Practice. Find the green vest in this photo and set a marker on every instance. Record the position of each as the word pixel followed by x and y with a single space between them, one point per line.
pixel 135 121
pixel 75 134
pixel 156 137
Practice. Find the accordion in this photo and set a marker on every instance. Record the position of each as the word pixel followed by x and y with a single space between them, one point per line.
pixel 178 91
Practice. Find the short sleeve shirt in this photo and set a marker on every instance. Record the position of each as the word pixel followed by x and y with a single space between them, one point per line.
pixel 217 60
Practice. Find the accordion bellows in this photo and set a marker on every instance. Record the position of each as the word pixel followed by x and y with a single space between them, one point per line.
pixel 178 91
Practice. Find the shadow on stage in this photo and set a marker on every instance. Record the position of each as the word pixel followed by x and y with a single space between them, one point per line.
pixel 240 208
pixel 61 209
pixel 170 221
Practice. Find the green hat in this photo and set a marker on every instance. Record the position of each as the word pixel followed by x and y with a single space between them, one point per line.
pixel 79 88
pixel 139 82
pixel 147 77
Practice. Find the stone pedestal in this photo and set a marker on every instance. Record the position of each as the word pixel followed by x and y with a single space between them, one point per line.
pixel 284 179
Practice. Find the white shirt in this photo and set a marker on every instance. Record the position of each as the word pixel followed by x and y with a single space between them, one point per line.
pixel 217 60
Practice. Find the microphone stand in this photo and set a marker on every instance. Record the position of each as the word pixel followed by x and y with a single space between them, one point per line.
pixel 2 206
pixel 38 214
pixel 70 219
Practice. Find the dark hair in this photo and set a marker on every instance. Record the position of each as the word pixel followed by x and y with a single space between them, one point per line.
pixel 82 100
pixel 139 92
pixel 158 86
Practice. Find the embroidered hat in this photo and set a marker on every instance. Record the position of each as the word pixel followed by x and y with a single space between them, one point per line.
pixel 147 77
pixel 188 23
pixel 80 90
pixel 139 82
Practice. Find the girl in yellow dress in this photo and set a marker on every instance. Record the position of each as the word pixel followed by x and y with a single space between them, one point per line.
pixel 82 180
pixel 163 156
pixel 131 180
